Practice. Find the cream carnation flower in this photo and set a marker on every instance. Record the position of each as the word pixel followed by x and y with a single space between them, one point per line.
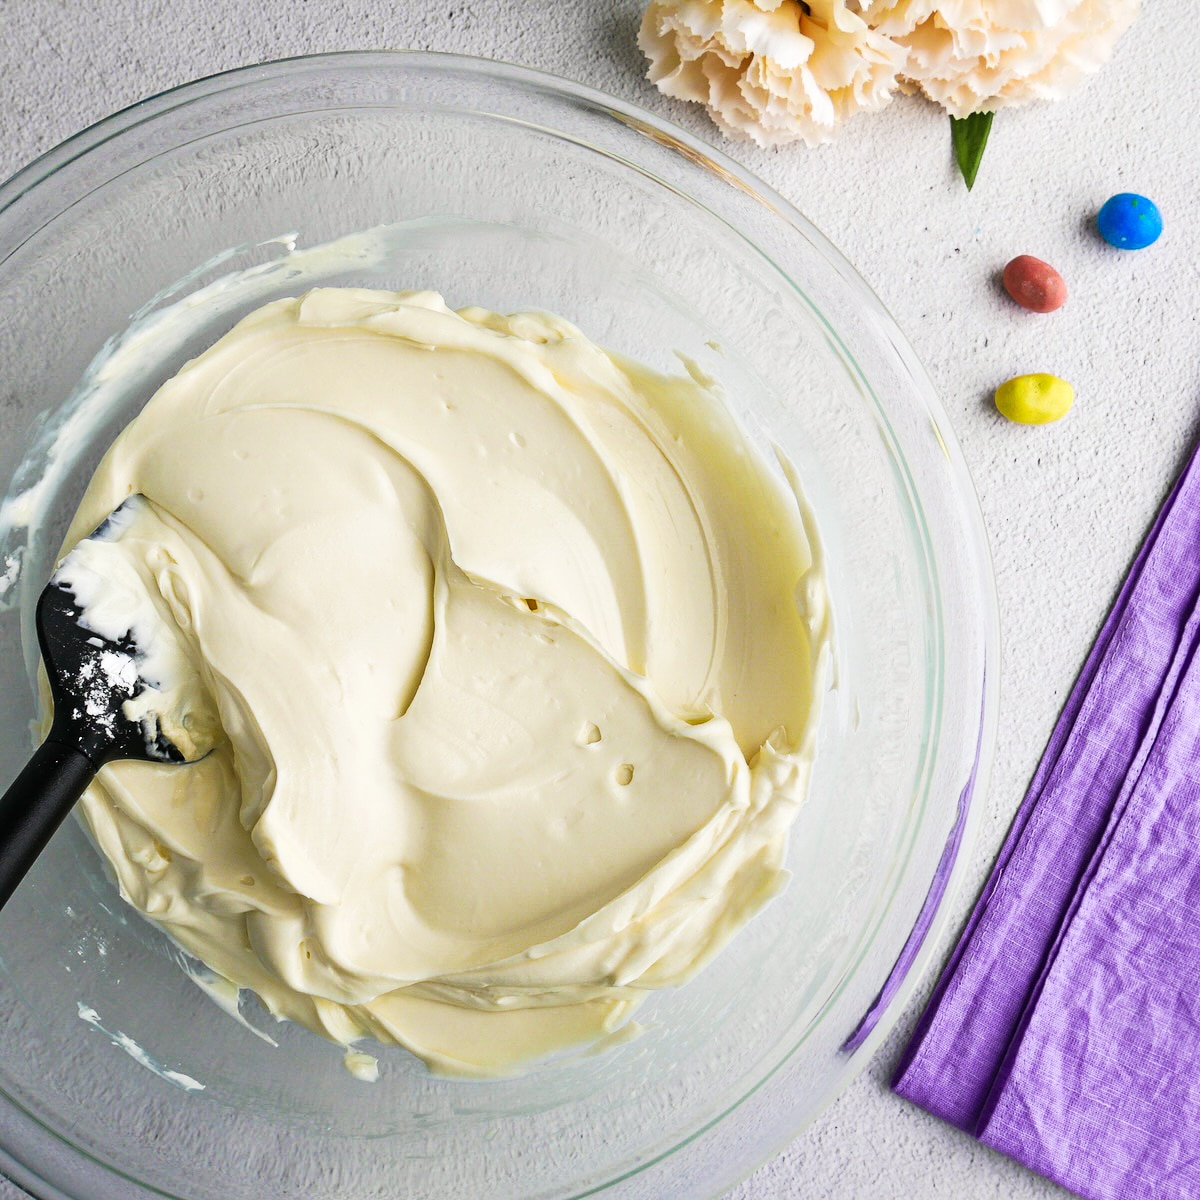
pixel 980 55
pixel 774 70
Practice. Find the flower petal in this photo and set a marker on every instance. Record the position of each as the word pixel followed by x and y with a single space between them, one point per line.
pixel 773 70
pixel 980 55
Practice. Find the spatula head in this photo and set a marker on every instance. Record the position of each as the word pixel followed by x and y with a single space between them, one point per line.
pixel 92 677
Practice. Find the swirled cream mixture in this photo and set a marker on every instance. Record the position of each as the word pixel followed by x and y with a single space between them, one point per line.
pixel 511 649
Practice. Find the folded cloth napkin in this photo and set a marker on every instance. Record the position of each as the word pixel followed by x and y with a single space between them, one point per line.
pixel 1065 1030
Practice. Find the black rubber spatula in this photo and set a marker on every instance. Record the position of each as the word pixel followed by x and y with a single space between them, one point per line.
pixel 91 678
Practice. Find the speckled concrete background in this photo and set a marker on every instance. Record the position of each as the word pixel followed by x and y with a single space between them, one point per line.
pixel 1065 505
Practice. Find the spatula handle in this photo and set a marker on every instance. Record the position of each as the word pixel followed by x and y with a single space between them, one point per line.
pixel 35 805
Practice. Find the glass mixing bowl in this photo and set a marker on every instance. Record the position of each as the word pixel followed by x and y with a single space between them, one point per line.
pixel 501 187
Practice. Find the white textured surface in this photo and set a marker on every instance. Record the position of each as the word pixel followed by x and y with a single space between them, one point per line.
pixel 1065 505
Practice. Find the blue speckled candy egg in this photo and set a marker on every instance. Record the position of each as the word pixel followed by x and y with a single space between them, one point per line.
pixel 1129 221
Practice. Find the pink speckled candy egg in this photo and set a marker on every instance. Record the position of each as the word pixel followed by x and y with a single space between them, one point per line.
pixel 1034 284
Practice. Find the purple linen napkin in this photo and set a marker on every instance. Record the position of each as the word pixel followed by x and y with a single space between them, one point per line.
pixel 1100 1090
pixel 988 1053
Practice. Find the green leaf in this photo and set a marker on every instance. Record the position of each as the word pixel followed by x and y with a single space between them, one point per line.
pixel 970 137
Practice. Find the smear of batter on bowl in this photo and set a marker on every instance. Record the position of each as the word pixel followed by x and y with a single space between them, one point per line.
pixel 513 648
pixel 124 1042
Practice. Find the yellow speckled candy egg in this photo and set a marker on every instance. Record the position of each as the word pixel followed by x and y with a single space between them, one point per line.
pixel 1035 399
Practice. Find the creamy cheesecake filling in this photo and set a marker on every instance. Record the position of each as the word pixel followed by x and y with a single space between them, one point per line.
pixel 511 652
